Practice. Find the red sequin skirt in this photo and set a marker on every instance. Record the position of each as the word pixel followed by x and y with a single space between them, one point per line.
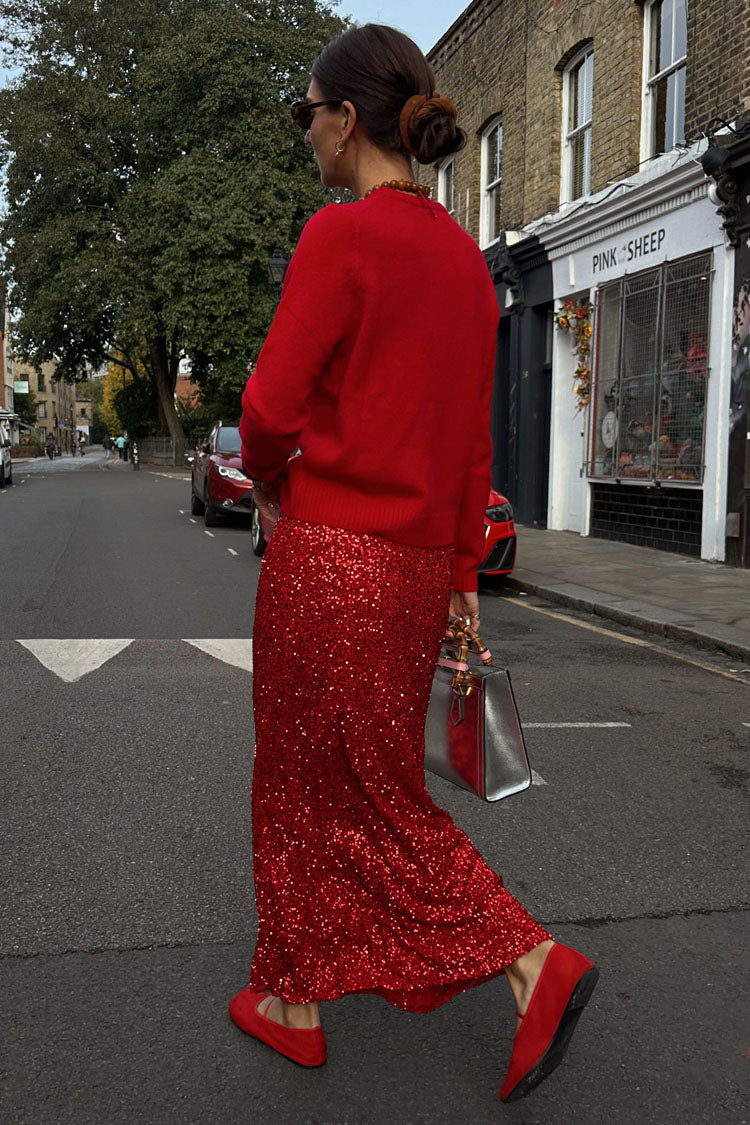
pixel 362 883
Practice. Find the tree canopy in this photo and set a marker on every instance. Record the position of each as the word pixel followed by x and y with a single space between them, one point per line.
pixel 152 167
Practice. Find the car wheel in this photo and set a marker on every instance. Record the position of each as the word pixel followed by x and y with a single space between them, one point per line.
pixel 10 476
pixel 257 537
pixel 196 504
pixel 210 518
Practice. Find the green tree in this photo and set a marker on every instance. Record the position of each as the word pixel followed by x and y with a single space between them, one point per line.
pixel 152 166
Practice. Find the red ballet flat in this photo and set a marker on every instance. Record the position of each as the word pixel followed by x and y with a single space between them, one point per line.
pixel 562 992
pixel 305 1046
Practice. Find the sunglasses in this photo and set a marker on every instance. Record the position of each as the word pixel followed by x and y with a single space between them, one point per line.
pixel 302 112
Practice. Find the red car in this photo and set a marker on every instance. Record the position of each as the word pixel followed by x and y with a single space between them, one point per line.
pixel 500 535
pixel 218 483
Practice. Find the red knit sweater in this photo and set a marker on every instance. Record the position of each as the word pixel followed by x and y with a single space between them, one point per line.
pixel 379 365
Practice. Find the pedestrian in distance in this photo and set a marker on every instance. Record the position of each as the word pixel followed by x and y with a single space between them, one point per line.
pixel 362 883
pixel 120 443
pixel 73 446
pixel 107 443
pixel 82 442
pixel 49 445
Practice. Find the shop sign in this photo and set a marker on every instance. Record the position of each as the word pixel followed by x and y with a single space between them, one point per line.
pixel 640 246
pixel 21 386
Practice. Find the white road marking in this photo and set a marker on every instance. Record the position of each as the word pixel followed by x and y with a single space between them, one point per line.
pixel 537 779
pixel 562 726
pixel 71 659
pixel 181 511
pixel 232 551
pixel 193 521
pixel 746 724
pixel 209 533
pixel 238 652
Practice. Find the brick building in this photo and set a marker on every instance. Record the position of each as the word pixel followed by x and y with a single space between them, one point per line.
pixel 581 180
pixel 56 402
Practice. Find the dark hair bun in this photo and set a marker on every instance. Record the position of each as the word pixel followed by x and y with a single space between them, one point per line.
pixel 433 134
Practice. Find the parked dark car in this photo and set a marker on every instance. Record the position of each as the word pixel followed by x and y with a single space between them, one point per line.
pixel 218 483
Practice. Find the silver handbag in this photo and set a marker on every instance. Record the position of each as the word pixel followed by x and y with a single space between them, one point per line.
pixel 473 734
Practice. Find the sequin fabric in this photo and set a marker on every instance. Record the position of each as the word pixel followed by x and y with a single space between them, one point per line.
pixel 362 883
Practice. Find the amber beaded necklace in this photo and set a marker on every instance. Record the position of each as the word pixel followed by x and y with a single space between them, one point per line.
pixel 402 185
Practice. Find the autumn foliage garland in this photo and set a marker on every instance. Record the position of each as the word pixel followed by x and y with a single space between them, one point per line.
pixel 577 319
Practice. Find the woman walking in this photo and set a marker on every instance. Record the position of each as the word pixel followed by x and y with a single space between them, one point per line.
pixel 379 365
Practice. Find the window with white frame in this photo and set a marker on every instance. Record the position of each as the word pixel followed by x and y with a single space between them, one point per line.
pixel 447 186
pixel 665 55
pixel 648 401
pixel 492 172
pixel 578 104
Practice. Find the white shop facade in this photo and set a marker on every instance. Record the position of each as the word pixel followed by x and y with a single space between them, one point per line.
pixel 645 270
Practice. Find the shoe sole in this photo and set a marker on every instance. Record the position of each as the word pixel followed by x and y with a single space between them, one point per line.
pixel 555 1052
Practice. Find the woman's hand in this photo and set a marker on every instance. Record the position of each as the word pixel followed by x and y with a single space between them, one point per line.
pixel 267 500
pixel 465 603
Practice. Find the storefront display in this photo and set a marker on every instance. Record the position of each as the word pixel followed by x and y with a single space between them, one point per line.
pixel 640 408
pixel 649 391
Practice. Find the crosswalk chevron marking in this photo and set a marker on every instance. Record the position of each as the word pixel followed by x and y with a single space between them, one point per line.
pixel 238 652
pixel 72 659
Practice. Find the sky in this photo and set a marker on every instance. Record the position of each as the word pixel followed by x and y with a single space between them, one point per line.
pixel 424 20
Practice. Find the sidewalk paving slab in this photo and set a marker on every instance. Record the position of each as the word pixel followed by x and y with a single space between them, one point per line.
pixel 676 596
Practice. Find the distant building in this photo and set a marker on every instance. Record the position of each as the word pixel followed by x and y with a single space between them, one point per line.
pixel 55 399
pixel 83 418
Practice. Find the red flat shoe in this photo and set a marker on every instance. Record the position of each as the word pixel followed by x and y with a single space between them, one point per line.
pixel 562 992
pixel 305 1046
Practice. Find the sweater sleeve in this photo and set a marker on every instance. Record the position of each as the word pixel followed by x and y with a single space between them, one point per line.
pixel 469 543
pixel 316 306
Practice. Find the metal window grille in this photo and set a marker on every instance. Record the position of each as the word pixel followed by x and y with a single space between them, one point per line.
pixel 578 126
pixel 667 73
pixel 650 374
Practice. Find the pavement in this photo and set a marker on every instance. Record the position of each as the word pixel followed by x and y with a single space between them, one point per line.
pixel 702 603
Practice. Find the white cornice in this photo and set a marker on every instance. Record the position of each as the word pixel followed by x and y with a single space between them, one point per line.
pixel 656 194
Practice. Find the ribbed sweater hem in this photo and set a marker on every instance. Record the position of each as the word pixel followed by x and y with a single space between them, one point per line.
pixel 315 502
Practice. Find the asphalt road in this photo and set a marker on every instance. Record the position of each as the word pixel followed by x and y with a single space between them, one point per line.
pixel 126 910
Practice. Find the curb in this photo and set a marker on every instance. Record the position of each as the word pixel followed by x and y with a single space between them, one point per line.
pixel 641 615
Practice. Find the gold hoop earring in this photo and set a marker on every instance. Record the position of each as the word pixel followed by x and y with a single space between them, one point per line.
pixel 340 150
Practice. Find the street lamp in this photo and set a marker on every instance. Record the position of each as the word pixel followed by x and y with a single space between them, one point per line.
pixel 276 269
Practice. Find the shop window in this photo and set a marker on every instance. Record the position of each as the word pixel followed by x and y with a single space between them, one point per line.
pixel 447 186
pixel 665 53
pixel 650 374
pixel 578 103
pixel 492 173
pixel 41 410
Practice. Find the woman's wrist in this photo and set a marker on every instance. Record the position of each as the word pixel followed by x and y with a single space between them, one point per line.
pixel 267 485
